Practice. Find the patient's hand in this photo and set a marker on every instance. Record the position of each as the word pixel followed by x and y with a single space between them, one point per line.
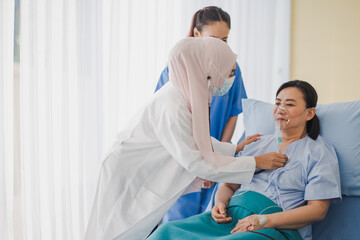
pixel 246 141
pixel 250 223
pixel 207 184
pixel 218 213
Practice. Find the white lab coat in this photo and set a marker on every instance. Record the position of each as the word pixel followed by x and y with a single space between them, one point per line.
pixel 151 164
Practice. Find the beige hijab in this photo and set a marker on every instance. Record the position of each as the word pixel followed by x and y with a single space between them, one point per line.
pixel 196 66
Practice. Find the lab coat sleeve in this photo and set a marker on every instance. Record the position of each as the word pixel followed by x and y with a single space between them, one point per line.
pixel 223 148
pixel 173 130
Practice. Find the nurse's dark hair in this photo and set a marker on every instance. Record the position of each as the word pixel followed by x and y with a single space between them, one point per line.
pixel 310 96
pixel 206 16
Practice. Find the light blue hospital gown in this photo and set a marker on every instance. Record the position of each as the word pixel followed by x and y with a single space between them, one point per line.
pixel 312 173
pixel 222 108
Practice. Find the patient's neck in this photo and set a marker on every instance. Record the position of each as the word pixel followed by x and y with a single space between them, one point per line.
pixel 292 135
pixel 289 136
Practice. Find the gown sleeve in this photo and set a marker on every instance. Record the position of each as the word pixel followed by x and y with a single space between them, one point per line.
pixel 323 172
pixel 172 126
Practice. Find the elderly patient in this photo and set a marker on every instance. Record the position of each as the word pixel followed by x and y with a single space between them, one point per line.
pixel 277 204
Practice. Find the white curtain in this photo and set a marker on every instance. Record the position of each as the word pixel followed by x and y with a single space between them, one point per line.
pixel 86 66
pixel 6 118
pixel 61 115
pixel 260 36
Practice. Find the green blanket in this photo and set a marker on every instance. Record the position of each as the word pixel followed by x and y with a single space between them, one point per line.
pixel 204 227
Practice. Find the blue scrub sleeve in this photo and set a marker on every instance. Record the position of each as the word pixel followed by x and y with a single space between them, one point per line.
pixel 239 93
pixel 164 78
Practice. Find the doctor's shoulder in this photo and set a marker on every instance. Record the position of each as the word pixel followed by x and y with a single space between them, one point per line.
pixel 169 106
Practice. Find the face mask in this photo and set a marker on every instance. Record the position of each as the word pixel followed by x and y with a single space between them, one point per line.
pixel 225 87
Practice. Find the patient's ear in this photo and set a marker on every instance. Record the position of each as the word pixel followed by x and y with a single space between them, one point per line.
pixel 310 113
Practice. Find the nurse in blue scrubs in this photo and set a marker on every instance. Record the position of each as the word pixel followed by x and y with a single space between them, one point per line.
pixel 224 110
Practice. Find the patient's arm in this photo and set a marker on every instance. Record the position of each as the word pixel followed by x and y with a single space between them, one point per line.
pixel 222 198
pixel 314 211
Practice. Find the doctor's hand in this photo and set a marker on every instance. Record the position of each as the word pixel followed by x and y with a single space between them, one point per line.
pixel 271 160
pixel 207 184
pixel 218 213
pixel 246 141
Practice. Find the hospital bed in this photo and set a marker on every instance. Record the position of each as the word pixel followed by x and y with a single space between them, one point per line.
pixel 340 124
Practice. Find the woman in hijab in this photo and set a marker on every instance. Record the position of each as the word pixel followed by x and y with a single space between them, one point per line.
pixel 167 145
pixel 210 21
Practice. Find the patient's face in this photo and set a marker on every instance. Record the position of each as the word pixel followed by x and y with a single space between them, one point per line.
pixel 290 109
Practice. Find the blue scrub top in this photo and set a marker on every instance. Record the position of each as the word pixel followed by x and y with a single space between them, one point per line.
pixel 222 108
pixel 312 173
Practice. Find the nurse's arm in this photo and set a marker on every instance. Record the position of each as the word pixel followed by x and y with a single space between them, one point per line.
pixel 229 129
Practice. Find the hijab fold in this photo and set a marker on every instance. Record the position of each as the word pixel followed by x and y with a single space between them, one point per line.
pixel 196 66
